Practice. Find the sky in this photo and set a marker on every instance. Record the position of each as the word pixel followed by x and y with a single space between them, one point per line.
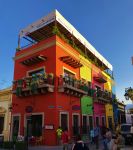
pixel 106 24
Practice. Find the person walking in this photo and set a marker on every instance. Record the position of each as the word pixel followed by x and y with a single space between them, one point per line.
pixel 65 138
pixel 92 136
pixel 96 136
pixel 79 145
pixel 58 133
pixel 131 131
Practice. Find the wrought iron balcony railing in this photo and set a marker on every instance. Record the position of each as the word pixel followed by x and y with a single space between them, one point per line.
pixel 72 86
pixel 37 84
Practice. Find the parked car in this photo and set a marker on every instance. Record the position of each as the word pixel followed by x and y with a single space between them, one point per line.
pixel 125 131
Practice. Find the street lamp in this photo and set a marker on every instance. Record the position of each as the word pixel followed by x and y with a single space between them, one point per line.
pixel 126 96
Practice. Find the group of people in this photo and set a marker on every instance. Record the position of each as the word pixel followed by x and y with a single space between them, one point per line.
pixel 111 142
pixel 63 138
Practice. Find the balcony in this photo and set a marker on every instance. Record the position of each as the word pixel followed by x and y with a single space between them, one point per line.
pixel 100 78
pixel 71 86
pixel 103 96
pixel 32 85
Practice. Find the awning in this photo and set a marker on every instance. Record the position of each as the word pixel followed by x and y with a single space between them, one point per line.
pixel 33 60
pixel 71 61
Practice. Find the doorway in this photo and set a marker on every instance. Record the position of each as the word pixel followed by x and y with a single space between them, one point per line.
pixel 1 124
pixel 76 126
pixel 34 125
pixel 90 122
pixel 64 120
pixel 15 126
pixel 110 122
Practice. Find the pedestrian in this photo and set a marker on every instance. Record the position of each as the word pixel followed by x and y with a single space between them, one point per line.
pixel 65 138
pixel 110 142
pixel 58 133
pixel 131 131
pixel 92 136
pixel 79 145
pixel 96 136
pixel 119 142
pixel 105 139
pixel 118 128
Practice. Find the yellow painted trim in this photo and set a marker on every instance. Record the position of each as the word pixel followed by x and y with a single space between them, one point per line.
pixel 68 70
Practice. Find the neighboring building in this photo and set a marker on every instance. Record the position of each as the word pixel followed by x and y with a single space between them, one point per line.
pixel 5 114
pixel 59 80
pixel 121 113
pixel 129 113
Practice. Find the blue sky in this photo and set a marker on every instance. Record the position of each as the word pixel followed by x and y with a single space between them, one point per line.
pixel 106 24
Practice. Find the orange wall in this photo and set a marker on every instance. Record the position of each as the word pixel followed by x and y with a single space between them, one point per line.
pixel 66 101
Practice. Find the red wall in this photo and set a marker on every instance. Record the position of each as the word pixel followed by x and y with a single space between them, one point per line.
pixel 41 103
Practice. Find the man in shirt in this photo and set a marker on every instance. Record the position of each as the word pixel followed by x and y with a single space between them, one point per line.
pixel 59 133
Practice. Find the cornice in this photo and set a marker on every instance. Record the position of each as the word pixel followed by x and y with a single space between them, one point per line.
pixel 34 50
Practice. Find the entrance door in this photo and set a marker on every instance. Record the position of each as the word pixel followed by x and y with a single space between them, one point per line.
pixel 16 124
pixel 84 125
pixel 64 120
pixel 1 124
pixel 75 124
pixel 90 123
pixel 34 125
pixel 110 122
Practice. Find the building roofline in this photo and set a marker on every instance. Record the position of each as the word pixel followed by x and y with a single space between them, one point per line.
pixel 56 16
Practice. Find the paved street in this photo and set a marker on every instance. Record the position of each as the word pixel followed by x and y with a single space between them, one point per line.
pixel 92 147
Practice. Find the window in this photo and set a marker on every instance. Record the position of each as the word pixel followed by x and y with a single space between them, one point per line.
pixel 36 72
pixel 69 73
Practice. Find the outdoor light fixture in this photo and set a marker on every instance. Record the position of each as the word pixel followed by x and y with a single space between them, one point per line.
pixel 126 96
pixel 128 93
